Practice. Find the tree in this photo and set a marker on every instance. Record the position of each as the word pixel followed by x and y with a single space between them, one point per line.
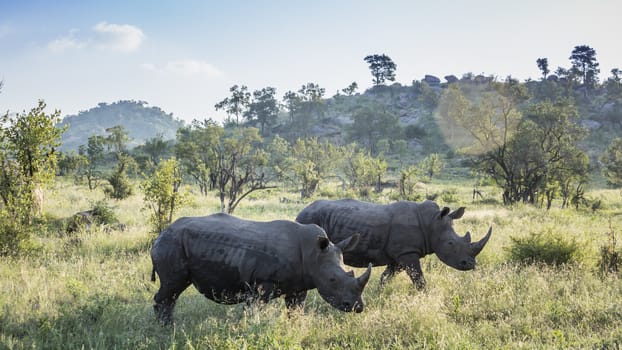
pixel 120 186
pixel 612 163
pixel 351 89
pixel 543 65
pixel 360 168
pixel 613 86
pixel 543 151
pixel 263 109
pixel 279 161
pixel 292 102
pixel 94 154
pixel 237 104
pixel 117 140
pixel 584 65
pixel 71 164
pixel 196 151
pixel 311 162
pixel 312 100
pixel 239 167
pixel 407 184
pixel 371 123
pixel 28 157
pixel 431 165
pixel 162 195
pixel 382 68
pixel 155 147
pixel 489 117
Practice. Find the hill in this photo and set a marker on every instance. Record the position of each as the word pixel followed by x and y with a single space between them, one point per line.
pixel 140 121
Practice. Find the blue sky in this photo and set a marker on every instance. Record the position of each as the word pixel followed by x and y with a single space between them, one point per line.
pixel 183 56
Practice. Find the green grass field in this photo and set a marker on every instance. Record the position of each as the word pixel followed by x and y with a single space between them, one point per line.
pixel 92 290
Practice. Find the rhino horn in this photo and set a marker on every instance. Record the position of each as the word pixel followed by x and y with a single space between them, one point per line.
pixel 349 243
pixel 364 278
pixel 467 237
pixel 478 246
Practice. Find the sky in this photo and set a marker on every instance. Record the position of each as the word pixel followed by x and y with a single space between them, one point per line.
pixel 183 56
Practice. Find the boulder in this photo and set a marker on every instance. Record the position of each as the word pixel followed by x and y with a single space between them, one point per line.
pixel 432 80
pixel 451 79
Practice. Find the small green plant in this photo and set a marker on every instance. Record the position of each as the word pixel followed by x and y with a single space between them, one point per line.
pixel 120 186
pixel 548 248
pixel 609 255
pixel 408 183
pixel 162 195
pixel 13 235
pixel 450 195
pixel 103 213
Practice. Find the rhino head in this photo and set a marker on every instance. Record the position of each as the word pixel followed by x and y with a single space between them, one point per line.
pixel 454 250
pixel 336 286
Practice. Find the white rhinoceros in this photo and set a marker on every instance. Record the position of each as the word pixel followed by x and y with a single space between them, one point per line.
pixel 230 260
pixel 396 235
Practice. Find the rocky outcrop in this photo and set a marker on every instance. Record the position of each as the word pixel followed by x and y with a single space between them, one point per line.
pixel 432 80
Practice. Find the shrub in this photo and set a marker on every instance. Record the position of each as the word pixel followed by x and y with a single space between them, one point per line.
pixel 103 214
pixel 609 255
pixel 549 248
pixel 162 195
pixel 120 186
pixel 13 236
pixel 450 195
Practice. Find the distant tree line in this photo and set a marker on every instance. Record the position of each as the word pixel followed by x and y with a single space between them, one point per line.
pixel 523 136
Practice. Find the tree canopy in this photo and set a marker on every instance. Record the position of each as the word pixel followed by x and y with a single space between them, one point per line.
pixel 382 68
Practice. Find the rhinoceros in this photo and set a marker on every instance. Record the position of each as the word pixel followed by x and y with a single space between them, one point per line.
pixel 231 260
pixel 396 235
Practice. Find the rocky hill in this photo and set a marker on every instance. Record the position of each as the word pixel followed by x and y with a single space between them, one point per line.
pixel 140 121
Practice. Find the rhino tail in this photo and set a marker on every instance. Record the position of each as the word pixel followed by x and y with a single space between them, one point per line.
pixel 153 274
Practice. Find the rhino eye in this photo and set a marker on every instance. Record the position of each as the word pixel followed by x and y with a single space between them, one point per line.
pixel 331 280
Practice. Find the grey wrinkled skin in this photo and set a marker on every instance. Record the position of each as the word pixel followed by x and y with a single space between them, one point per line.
pixel 396 235
pixel 230 260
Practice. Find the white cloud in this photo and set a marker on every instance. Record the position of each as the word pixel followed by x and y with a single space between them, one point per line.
pixel 108 36
pixel 66 43
pixel 185 67
pixel 118 37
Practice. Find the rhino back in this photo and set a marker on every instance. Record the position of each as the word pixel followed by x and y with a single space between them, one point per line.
pixel 225 255
pixel 343 218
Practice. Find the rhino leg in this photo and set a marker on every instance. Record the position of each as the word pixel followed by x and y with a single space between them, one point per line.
pixel 389 272
pixel 164 299
pixel 412 266
pixel 295 300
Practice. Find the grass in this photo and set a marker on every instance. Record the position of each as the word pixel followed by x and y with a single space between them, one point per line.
pixel 92 290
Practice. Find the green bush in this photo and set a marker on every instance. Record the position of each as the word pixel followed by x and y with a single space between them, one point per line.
pixel 610 261
pixel 450 195
pixel 14 237
pixel 103 214
pixel 120 186
pixel 548 248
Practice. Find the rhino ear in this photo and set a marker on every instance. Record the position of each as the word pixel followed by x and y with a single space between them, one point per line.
pixel 444 212
pixel 322 242
pixel 349 243
pixel 457 214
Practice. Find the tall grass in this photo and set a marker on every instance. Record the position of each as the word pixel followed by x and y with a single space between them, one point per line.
pixel 92 289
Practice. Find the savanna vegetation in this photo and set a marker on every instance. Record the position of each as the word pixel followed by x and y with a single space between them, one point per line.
pixel 92 288
pixel 538 161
